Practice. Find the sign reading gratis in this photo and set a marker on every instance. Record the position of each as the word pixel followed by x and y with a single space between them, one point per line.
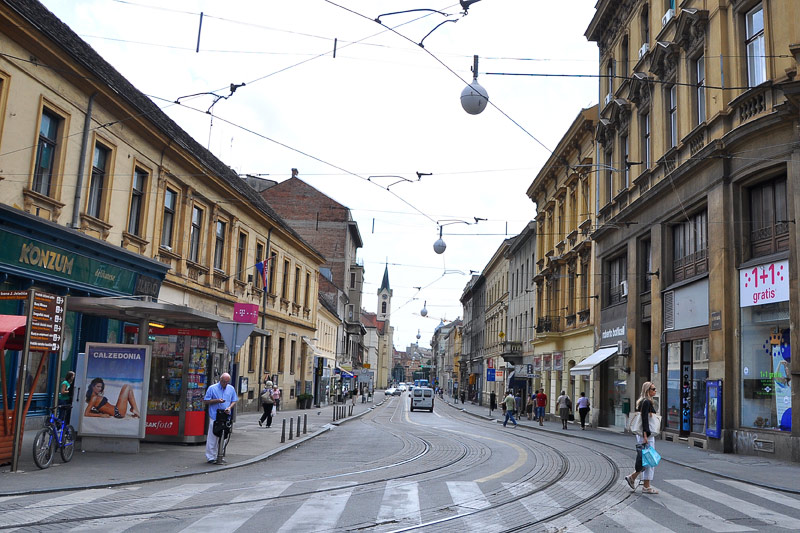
pixel 114 395
pixel 764 284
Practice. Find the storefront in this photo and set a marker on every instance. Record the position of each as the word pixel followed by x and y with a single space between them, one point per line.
pixel 765 387
pixel 58 260
pixel 612 370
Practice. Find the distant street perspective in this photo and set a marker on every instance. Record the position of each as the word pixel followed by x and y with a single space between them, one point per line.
pixel 348 266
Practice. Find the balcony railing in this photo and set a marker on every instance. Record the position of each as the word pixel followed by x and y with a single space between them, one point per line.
pixel 548 324
pixel 690 265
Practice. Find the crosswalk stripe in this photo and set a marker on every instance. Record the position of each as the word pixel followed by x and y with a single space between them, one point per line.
pixel 157 503
pixel 633 520
pixel 695 514
pixel 539 504
pixel 400 503
pixel 749 508
pixel 468 497
pixel 265 489
pixel 771 495
pixel 320 512
pixel 52 506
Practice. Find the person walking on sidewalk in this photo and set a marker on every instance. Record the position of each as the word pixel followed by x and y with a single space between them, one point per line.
pixel 583 408
pixel 276 397
pixel 492 402
pixel 645 405
pixel 220 396
pixel 541 402
pixel 509 405
pixel 267 403
pixel 529 406
pixel 564 404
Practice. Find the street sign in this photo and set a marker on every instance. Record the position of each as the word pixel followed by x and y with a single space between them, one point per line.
pixel 47 322
pixel 490 374
pixel 235 334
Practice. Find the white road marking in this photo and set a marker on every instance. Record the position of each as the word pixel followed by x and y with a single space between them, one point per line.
pixel 400 503
pixel 52 506
pixel 695 514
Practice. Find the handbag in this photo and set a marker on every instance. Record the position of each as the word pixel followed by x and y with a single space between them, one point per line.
pixel 636 423
pixel 650 457
pixel 266 397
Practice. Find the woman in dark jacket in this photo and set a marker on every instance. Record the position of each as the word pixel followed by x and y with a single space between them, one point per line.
pixel 644 405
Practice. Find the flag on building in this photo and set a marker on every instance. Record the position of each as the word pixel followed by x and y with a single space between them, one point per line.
pixel 263 271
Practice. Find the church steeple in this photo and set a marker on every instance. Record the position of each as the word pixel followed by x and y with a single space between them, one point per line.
pixel 385 297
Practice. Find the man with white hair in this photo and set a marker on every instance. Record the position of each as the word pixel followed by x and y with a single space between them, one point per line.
pixel 223 396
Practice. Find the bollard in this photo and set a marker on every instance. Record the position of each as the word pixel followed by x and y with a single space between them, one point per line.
pixel 298 425
pixel 291 428
pixel 305 424
pixel 283 432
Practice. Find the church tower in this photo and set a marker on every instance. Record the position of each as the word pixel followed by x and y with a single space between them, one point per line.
pixel 385 297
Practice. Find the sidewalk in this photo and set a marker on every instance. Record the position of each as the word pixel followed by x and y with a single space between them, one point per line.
pixel 249 443
pixel 757 470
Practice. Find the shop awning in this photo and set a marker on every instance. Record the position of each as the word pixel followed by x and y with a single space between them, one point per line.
pixel 584 368
pixel 12 326
pixel 314 350
pixel 344 373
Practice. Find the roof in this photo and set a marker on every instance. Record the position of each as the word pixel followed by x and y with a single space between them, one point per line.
pixel 61 35
pixel 385 282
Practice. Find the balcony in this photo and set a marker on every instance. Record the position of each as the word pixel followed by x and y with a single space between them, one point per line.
pixel 548 324
pixel 690 265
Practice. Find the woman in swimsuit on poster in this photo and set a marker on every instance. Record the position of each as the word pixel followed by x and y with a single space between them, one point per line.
pixel 98 405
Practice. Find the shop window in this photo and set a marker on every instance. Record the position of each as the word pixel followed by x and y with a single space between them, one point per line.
pixel 219 245
pixel 168 223
pixel 194 235
pixel 46 151
pixel 699 378
pixel 769 224
pixel 97 180
pixel 754 45
pixel 137 202
pixel 690 247
pixel 766 389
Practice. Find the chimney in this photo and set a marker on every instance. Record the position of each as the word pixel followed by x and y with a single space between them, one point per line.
pixel 294 172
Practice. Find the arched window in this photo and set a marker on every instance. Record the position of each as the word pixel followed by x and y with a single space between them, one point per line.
pixel 383 308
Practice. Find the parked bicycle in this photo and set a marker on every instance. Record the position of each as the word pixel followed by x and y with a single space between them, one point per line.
pixel 55 434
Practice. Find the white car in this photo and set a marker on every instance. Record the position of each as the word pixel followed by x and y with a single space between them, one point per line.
pixel 402 387
pixel 392 391
pixel 422 398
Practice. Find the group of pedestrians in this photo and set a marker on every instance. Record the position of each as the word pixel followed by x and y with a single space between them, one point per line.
pixel 270 401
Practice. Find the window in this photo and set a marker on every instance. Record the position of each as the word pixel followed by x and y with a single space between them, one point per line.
pixel 573 221
pixel 608 176
pixel 259 252
pixel 672 116
pixel 625 59
pixel 754 43
pixel 137 201
pixel 644 120
pixel 272 266
pixel 169 218
pixel 251 355
pixel 646 266
pixel 610 78
pixel 570 307
pixel 769 224
pixel 292 356
pixel 285 280
pixel 352 280
pixel 383 308
pixel 585 284
pixel 97 181
pixel 586 198
pixel 561 219
pixel 46 152
pixel 644 23
pixel 700 89
pixel 281 354
pixel 219 245
pixel 297 285
pixel 306 298
pixel 626 146
pixel 617 276
pixel 241 252
pixel 690 247
pixel 194 235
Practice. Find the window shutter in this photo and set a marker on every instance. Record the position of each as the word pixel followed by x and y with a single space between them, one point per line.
pixel 669 310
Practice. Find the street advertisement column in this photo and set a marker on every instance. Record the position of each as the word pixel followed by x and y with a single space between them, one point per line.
pixel 116 387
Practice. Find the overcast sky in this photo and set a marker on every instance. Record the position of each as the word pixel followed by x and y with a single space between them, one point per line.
pixel 384 106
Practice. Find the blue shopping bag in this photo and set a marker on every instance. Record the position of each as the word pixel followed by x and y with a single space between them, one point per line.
pixel 650 457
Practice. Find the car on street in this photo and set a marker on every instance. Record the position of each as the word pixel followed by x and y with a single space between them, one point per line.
pixel 390 391
pixel 422 398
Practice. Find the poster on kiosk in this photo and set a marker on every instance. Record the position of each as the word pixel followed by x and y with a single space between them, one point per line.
pixel 114 394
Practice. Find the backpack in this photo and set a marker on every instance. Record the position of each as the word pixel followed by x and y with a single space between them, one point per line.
pixel 223 424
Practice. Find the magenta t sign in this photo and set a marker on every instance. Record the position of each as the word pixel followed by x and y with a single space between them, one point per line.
pixel 246 313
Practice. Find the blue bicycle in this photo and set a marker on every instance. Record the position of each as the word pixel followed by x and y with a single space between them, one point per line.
pixel 55 434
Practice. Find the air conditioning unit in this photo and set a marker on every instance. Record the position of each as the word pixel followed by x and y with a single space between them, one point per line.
pixel 624 288
pixel 643 50
pixel 609 97
pixel 669 15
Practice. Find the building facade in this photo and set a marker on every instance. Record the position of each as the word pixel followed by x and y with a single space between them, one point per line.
pixel 496 322
pixel 696 244
pixel 519 341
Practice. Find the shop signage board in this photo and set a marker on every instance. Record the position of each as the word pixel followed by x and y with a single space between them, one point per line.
pixel 245 313
pixel 764 284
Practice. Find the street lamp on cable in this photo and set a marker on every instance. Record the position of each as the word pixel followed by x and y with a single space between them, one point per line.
pixel 474 97
pixel 440 246
pixel 424 310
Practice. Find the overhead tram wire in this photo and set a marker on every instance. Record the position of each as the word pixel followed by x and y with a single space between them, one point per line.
pixel 443 64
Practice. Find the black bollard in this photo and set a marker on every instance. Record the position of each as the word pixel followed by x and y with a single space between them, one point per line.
pixel 283 431
pixel 305 424
pixel 298 425
pixel 291 428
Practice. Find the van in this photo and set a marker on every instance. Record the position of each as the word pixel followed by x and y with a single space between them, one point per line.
pixel 422 398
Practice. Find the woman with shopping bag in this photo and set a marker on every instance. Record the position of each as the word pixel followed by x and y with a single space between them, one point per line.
pixel 645 424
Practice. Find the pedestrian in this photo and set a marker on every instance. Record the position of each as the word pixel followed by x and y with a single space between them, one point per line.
pixel 267 403
pixel 583 408
pixel 541 402
pixel 564 404
pixel 508 403
pixel 276 397
pixel 220 396
pixel 492 403
pixel 518 403
pixel 645 406
pixel 529 406
pixel 65 396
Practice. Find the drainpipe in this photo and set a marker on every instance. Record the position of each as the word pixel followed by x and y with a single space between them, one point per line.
pixel 87 124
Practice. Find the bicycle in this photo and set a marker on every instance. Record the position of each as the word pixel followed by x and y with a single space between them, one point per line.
pixel 55 434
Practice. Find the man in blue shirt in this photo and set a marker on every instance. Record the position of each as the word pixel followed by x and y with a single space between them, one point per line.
pixel 223 396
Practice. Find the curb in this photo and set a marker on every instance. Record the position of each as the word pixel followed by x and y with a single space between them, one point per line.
pixel 258 458
pixel 673 461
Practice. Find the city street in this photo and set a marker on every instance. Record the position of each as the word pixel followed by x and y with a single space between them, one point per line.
pixel 393 470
